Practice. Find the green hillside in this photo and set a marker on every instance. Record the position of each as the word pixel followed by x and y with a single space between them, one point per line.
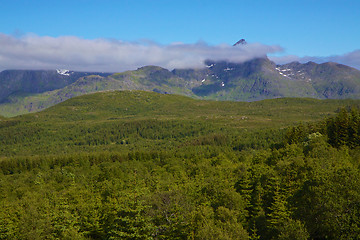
pixel 119 105
pixel 144 165
pixel 71 124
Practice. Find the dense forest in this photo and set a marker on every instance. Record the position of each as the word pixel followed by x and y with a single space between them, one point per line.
pixel 137 165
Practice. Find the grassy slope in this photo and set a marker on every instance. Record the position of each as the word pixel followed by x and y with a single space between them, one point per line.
pixel 25 103
pixel 104 121
pixel 140 104
pixel 154 78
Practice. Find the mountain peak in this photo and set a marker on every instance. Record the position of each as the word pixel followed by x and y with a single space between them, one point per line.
pixel 240 42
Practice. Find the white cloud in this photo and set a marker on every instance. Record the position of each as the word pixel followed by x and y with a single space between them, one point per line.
pixel 69 52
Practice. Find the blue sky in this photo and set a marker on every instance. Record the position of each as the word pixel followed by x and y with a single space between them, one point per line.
pixel 317 30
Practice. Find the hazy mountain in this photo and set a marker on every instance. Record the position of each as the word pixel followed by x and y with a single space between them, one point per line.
pixel 36 81
pixel 253 80
pixel 330 80
pixel 261 79
pixel 28 91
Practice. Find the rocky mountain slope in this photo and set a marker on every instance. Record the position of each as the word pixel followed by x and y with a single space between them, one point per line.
pixel 29 91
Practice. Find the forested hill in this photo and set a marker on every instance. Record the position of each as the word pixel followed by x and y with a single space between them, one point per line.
pixel 143 165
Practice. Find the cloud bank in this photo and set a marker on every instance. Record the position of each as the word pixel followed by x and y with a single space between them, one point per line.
pixel 351 59
pixel 69 52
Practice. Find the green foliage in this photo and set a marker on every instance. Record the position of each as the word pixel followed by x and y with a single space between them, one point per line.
pixel 341 130
pixel 293 230
pixel 135 165
pixel 344 129
pixel 125 219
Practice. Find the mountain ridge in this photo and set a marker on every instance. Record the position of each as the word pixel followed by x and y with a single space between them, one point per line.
pixel 30 91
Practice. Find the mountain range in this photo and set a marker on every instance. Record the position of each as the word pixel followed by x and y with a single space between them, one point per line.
pixel 23 91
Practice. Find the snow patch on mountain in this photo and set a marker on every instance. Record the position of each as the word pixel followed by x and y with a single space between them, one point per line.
pixel 63 72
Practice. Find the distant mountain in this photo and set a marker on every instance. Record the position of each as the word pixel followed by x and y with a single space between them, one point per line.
pixel 29 91
pixel 253 80
pixel 329 80
pixel 261 79
pixel 36 81
pixel 149 78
